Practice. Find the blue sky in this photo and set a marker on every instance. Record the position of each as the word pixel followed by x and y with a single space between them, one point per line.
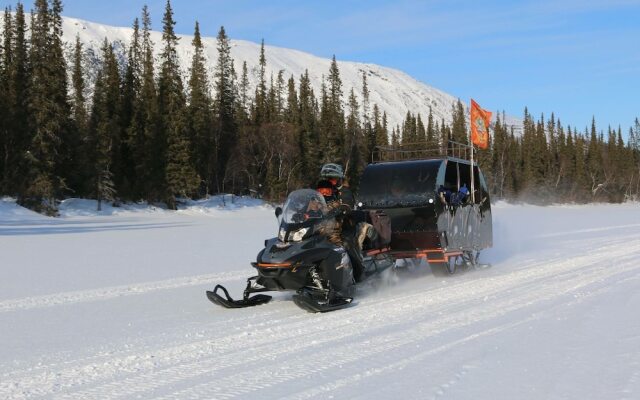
pixel 574 58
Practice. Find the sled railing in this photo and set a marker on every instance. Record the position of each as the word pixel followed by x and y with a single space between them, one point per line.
pixel 420 151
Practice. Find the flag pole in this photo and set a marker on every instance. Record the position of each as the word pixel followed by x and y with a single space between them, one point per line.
pixel 480 138
pixel 473 191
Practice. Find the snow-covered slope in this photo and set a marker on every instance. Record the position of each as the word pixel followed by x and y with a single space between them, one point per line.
pixel 113 307
pixel 394 91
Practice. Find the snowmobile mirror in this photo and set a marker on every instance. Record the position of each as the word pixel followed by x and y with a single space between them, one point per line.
pixel 278 211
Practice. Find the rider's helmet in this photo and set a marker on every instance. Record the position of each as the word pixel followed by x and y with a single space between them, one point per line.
pixel 332 170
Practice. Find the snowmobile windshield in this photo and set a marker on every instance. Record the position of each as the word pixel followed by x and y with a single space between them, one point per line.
pixel 305 205
pixel 399 184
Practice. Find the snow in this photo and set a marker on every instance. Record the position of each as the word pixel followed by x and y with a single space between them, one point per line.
pixel 111 305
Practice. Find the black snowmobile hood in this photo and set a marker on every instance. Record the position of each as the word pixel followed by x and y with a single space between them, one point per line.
pixel 305 252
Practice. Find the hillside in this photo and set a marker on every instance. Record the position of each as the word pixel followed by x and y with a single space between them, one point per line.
pixel 394 91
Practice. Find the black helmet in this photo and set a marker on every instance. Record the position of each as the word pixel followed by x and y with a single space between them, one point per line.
pixel 332 171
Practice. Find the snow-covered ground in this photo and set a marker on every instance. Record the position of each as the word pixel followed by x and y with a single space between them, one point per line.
pixel 112 306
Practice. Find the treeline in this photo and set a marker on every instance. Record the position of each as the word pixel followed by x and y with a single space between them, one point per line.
pixel 544 162
pixel 148 134
pixel 551 163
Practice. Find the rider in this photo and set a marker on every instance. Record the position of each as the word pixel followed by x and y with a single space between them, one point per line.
pixel 333 187
pixel 337 193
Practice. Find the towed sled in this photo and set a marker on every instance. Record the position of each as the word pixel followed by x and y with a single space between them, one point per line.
pixel 422 207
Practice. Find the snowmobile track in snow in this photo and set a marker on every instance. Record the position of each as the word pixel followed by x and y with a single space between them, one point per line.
pixel 233 363
pixel 82 296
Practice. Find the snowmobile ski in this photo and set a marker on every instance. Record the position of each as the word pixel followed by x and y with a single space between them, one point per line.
pixel 229 302
pixel 307 302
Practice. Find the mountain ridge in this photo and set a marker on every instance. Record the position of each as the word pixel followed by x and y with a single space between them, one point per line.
pixel 394 91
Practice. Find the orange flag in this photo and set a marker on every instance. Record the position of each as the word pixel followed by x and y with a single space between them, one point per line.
pixel 479 125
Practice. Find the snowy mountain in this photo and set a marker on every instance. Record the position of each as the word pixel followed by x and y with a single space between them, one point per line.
pixel 392 90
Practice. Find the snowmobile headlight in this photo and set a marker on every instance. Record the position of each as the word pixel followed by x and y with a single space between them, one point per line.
pixel 281 234
pixel 296 236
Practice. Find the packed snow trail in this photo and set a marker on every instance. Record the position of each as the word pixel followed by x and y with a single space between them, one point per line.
pixel 57 299
pixel 550 319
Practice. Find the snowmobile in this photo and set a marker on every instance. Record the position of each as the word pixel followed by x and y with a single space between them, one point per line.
pixel 306 258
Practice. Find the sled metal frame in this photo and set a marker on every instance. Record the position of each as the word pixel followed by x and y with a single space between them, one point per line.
pixel 440 254
pixel 431 255
pixel 420 151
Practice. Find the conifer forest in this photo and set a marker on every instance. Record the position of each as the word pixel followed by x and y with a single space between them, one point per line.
pixel 150 134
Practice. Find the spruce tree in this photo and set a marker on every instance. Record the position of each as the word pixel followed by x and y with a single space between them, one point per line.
pixel 271 102
pixel 181 178
pixel 105 126
pixel 634 148
pixel 529 157
pixel 581 187
pixel 500 156
pixel 395 137
pixel 49 111
pixel 540 161
pixel 335 148
pixel 594 160
pixel 445 136
pixel 78 104
pixel 5 115
pixel 224 101
pixel 367 127
pixel 459 132
pixel 378 140
pixel 66 164
pixel 382 132
pixel 260 110
pixel 407 135
pixel 432 135
pixel 553 158
pixel 279 96
pixel 150 143
pixel 325 125
pixel 385 127
pixel 292 108
pixel 6 145
pixel 355 141
pixel 18 75
pixel 366 118
pixel 243 93
pixel 200 114
pixel 80 119
pixel 559 179
pixel 309 139
pixel 132 122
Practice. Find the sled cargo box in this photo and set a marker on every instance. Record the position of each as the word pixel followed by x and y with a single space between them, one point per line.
pixel 430 215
